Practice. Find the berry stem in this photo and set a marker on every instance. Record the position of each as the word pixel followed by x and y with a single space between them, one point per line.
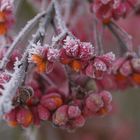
pixel 98 37
pixel 122 36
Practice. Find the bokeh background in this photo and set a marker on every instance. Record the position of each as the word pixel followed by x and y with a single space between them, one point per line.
pixel 123 123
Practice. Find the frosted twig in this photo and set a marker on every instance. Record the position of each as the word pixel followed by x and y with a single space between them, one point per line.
pixel 16 5
pixel 23 33
pixel 18 76
pixel 59 17
pixel 68 5
pixel 98 37
pixel 10 88
pixel 127 38
pixel 48 79
pixel 31 133
pixel 123 38
pixel 60 20
pixel 56 39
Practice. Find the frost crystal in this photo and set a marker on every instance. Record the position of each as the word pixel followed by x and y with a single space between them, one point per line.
pixel 100 65
pixel 10 88
pixel 6 4
pixel 53 54
pixel 36 49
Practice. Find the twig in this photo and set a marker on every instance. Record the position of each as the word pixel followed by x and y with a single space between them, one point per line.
pixel 48 79
pixel 59 17
pixel 18 76
pixel 31 133
pixel 123 37
pixel 61 23
pixel 68 6
pixel 56 39
pixel 23 33
pixel 98 37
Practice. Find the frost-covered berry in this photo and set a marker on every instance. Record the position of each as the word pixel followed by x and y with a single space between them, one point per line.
pixel 78 122
pixel 106 96
pixel 106 10
pixel 11 118
pixel 73 112
pixel 51 101
pixel 76 49
pixel 94 102
pixel 126 68
pixel 24 117
pixel 136 64
pixel 100 65
pixel 43 112
pixel 6 16
pixel 60 117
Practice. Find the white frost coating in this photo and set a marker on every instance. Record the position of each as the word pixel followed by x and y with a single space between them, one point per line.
pixel 6 5
pixel 10 88
pixel 53 54
pixel 35 49
pixel 30 24
pixel 61 23
pixel 105 1
pixel 74 47
pixel 99 65
pixel 71 46
pixel 116 4
pixel 57 38
pixel 110 57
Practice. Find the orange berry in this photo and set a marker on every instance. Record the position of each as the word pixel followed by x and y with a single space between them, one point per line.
pixel 136 78
pixel 12 123
pixel 24 117
pixel 41 63
pixel 120 77
pixel 3 27
pixel 103 111
pixel 51 102
pixel 76 65
pixel 106 21
pixel 58 101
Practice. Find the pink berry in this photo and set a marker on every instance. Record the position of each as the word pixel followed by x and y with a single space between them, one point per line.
pixel 51 101
pixel 94 102
pixel 106 96
pixel 11 118
pixel 73 111
pixel 24 117
pixel 126 68
pixel 78 122
pixel 60 117
pixel 43 112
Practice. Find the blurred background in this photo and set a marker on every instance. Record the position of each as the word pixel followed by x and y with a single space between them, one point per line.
pixel 123 123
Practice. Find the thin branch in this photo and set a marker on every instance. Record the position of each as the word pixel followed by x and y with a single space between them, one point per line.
pixel 48 79
pixel 18 76
pixel 31 133
pixel 56 39
pixel 61 23
pixel 98 37
pixel 23 33
pixel 122 36
pixel 68 6
pixel 59 17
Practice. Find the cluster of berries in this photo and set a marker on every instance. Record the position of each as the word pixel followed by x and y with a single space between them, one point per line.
pixel 106 10
pixel 125 73
pixel 80 56
pixel 67 106
pixel 33 106
pixel 6 16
